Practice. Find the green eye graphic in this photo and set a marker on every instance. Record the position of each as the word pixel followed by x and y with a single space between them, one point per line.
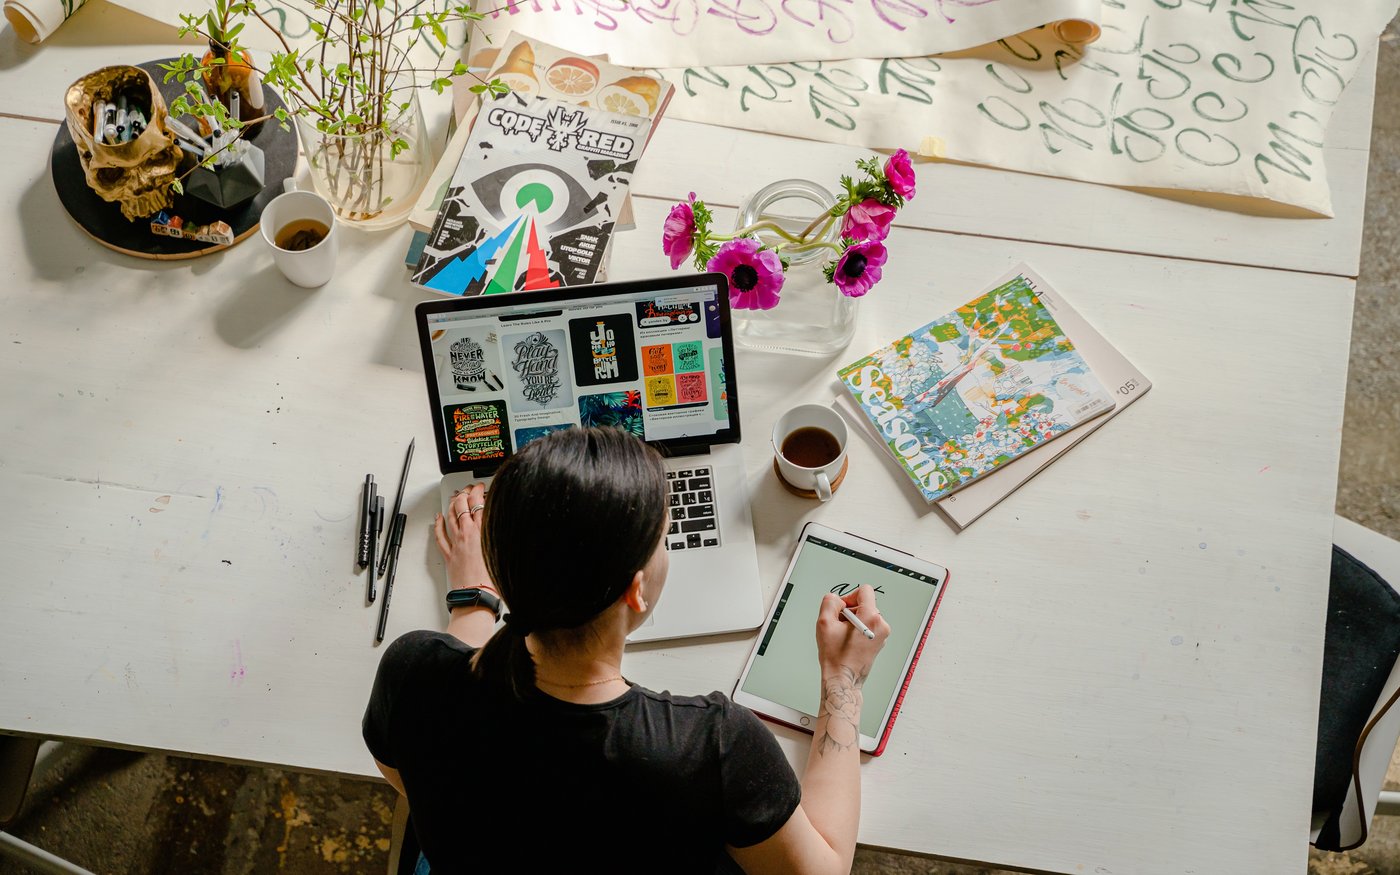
pixel 558 199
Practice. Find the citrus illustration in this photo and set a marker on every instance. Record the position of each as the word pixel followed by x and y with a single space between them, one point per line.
pixel 644 87
pixel 518 72
pixel 520 83
pixel 520 60
pixel 614 98
pixel 573 76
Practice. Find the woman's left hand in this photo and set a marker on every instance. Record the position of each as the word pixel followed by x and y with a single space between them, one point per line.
pixel 459 538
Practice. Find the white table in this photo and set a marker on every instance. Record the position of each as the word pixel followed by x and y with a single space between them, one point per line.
pixel 1123 677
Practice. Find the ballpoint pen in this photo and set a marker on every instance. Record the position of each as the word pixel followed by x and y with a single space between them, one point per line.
pixel 398 506
pixel 395 536
pixel 363 555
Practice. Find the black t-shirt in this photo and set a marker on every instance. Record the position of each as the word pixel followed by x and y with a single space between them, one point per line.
pixel 647 782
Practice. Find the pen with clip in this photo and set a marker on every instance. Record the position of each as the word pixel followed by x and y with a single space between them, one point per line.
pixel 364 556
pixel 375 531
pixel 396 535
pixel 392 553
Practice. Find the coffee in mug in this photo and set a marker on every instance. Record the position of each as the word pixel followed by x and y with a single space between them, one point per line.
pixel 300 234
pixel 811 447
pixel 299 227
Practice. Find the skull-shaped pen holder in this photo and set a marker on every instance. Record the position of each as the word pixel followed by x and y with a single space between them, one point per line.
pixel 136 174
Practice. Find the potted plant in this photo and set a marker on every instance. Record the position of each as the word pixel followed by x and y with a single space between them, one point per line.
pixel 352 91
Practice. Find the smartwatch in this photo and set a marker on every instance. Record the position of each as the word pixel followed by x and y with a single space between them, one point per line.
pixel 472 596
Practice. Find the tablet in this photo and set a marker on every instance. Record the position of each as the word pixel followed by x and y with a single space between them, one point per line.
pixel 781 680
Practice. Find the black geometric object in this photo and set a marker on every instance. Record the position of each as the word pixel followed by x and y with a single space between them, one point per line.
pixel 229 186
pixel 104 222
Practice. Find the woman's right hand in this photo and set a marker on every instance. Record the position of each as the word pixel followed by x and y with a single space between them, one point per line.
pixel 841 647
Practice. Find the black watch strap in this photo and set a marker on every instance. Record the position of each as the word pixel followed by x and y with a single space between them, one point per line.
pixel 461 598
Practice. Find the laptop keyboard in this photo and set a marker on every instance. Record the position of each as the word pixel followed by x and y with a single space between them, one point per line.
pixel 693 524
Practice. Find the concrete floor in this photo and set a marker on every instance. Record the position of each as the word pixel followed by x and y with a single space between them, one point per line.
pixel 116 811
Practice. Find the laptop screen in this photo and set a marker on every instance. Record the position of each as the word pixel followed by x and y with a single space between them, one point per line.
pixel 653 358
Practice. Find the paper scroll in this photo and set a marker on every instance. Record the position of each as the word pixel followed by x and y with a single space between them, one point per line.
pixel 670 33
pixel 1205 95
pixel 35 20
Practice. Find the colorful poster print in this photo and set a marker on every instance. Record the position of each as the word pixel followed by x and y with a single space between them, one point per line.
pixel 661 391
pixel 524 435
pixel 690 388
pixel 663 314
pixel 537 381
pixel 688 357
pixel 604 350
pixel 656 359
pixel 613 410
pixel 476 432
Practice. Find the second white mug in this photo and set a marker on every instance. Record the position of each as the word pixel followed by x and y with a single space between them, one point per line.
pixel 809 446
pixel 308 264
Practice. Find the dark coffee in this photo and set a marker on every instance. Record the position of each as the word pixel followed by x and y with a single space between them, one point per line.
pixel 301 234
pixel 811 447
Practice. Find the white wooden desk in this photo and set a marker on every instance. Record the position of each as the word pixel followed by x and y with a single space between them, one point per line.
pixel 1123 678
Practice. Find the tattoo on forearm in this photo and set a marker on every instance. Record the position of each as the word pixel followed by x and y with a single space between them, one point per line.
pixel 839 717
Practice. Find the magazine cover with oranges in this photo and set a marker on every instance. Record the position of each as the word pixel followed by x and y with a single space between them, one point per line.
pixel 536 69
pixel 535 197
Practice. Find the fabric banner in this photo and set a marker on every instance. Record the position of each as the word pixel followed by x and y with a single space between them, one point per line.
pixel 671 33
pixel 1205 95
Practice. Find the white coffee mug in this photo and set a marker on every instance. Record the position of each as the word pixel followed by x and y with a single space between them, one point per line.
pixel 816 475
pixel 308 268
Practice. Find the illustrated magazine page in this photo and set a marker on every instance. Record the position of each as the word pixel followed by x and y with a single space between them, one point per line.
pixel 969 392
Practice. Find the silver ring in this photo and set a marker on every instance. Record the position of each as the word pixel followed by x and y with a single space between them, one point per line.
pixel 460 514
pixel 476 507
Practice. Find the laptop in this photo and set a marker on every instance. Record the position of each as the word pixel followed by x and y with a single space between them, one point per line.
pixel 653 357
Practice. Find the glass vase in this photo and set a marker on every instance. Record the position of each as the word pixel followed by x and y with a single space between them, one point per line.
pixel 812 317
pixel 367 181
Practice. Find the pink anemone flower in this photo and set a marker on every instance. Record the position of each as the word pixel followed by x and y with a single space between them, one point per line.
pixel 678 234
pixel 859 268
pixel 755 274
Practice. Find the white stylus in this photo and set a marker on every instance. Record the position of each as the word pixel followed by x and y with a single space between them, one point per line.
pixel 864 629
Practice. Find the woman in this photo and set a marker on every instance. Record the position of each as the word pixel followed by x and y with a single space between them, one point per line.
pixel 526 750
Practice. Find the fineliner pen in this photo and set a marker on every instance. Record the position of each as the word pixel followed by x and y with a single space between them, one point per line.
pixel 855 621
pixel 398 504
pixel 395 539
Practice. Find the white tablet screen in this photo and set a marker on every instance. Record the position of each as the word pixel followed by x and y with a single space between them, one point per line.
pixel 784 668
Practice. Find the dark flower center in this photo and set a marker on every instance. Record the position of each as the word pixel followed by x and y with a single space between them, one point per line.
pixel 745 277
pixel 854 266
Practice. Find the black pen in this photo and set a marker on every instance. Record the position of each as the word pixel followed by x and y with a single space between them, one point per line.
pixel 364 556
pixel 395 537
pixel 376 531
pixel 398 506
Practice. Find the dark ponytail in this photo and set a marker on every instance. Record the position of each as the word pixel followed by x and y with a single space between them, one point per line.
pixel 569 521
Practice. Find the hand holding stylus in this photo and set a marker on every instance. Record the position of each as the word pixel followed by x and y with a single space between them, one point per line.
pixel 844 645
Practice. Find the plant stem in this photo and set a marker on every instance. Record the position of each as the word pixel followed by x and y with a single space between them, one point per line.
pixel 824 217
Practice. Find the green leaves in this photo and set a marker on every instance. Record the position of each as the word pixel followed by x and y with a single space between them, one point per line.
pixel 356 75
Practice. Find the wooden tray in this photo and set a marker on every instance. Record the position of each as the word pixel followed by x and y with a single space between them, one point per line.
pixel 103 221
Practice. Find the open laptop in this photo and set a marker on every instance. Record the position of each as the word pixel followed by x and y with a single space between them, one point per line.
pixel 654 357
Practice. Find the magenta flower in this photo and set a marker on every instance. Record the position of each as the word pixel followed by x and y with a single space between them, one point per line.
pixel 899 171
pixel 859 268
pixel 755 274
pixel 678 234
pixel 867 220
